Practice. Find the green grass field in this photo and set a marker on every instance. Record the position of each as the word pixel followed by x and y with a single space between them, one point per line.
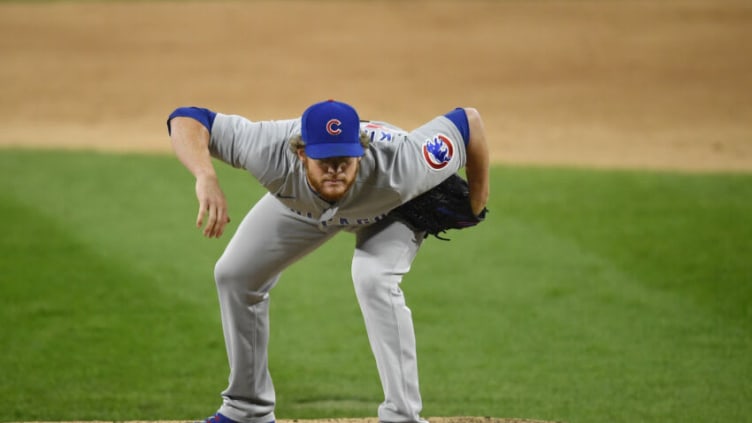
pixel 587 296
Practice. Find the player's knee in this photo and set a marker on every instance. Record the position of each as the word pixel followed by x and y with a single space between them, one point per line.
pixel 370 280
pixel 231 277
pixel 224 274
pixel 364 284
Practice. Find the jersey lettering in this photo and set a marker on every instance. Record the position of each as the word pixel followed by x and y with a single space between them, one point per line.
pixel 342 221
pixel 300 213
pixel 369 221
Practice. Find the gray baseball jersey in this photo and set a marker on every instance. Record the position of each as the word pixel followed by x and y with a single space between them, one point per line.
pixel 292 220
pixel 398 167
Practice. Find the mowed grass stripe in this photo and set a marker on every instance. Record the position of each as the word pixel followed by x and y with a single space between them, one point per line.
pixel 587 296
pixel 687 233
pixel 85 336
pixel 545 312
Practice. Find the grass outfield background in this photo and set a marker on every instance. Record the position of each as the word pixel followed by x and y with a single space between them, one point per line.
pixel 587 296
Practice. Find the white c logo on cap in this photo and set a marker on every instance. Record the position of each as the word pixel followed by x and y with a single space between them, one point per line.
pixel 330 127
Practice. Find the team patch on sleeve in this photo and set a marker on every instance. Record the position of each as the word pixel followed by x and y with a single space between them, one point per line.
pixel 438 151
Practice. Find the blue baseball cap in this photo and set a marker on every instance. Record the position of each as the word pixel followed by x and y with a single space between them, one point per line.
pixel 331 129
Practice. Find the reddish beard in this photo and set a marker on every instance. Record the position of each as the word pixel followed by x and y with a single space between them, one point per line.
pixel 328 183
pixel 331 189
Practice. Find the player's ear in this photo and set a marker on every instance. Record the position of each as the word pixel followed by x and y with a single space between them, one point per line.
pixel 301 154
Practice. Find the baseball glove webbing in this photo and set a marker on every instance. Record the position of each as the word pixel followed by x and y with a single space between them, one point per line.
pixel 444 207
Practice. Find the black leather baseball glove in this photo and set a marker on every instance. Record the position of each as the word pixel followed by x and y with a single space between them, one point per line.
pixel 446 206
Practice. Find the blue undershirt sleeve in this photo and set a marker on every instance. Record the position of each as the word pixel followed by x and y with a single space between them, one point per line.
pixel 459 118
pixel 203 116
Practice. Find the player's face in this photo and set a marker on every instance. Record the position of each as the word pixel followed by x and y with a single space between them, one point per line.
pixel 331 178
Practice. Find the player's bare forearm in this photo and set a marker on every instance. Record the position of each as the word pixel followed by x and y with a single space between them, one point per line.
pixel 190 141
pixel 477 166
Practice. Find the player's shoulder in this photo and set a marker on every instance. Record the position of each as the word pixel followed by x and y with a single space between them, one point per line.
pixel 380 124
pixel 243 123
pixel 238 117
pixel 381 133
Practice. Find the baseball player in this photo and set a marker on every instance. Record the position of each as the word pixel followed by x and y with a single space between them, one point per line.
pixel 325 172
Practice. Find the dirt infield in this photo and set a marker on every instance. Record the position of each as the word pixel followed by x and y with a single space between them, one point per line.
pixel 618 84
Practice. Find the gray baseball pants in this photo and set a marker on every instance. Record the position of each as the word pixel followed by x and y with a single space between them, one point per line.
pixel 270 238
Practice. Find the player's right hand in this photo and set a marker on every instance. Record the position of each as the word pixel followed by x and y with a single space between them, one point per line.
pixel 212 205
